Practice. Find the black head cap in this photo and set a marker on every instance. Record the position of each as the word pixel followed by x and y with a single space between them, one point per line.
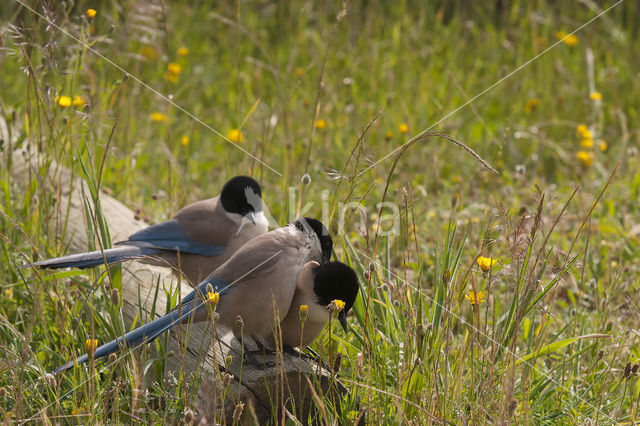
pixel 335 280
pixel 326 243
pixel 241 195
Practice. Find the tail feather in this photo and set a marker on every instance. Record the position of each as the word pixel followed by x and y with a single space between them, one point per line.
pixel 142 334
pixel 95 258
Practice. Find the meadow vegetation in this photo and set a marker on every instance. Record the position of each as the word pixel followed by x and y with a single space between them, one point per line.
pixel 508 296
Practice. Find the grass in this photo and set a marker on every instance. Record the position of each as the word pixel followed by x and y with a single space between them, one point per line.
pixel 555 332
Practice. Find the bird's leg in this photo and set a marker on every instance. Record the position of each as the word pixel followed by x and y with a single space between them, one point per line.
pixel 250 356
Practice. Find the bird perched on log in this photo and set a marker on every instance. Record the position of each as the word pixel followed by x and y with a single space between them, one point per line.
pixel 257 283
pixel 198 239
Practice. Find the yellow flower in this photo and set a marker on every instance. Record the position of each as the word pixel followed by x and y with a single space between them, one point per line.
pixel 388 135
pixel 91 345
pixel 602 145
pixel 63 101
pixel 570 40
pixel 531 105
pixel 78 101
pixel 304 310
pixel 213 297
pixel 235 135
pixel 403 128
pixel 584 132
pixel 8 293
pixel 337 305
pixel 91 13
pixel 581 129
pixel 299 72
pixel 321 124
pixel 586 158
pixel 149 53
pixel 475 298
pixel 486 263
pixel 159 117
pixel 77 411
pixel 184 140
pixel 174 68
pixel 586 143
pixel 431 214
pixel 595 96
pixel 183 51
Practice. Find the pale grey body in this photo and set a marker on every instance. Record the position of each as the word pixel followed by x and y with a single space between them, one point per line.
pixel 293 334
pixel 207 222
pixel 262 276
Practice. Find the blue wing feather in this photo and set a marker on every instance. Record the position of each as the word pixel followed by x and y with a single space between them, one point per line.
pixel 143 334
pixel 170 236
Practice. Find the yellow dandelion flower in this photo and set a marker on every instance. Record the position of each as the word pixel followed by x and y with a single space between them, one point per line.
pixel 403 128
pixel 183 51
pixel 149 53
pixel 321 124
pixel 388 135
pixel 91 13
pixel 91 345
pixel 486 263
pixel 299 72
pixel 63 101
pixel 475 298
pixel 337 305
pixel 184 140
pixel 174 68
pixel 586 158
pixel 586 143
pixel 431 214
pixel 213 297
pixel 8 293
pixel 235 135
pixel 304 310
pixel 581 129
pixel 475 219
pixel 159 117
pixel 595 96
pixel 570 40
pixel 602 145
pixel 585 134
pixel 531 105
pixel 78 101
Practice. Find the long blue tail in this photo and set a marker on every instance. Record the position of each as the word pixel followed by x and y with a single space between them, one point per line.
pixel 142 334
pixel 95 258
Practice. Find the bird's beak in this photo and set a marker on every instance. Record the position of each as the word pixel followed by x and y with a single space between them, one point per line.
pixel 342 317
pixel 251 217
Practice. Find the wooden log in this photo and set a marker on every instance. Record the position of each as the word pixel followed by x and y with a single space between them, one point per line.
pixel 265 392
